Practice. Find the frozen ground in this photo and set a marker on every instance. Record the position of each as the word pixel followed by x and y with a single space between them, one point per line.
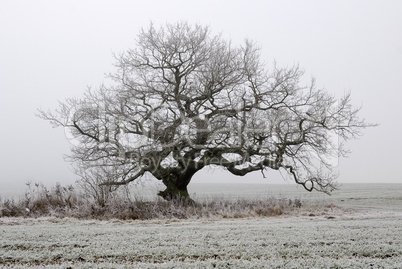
pixel 365 233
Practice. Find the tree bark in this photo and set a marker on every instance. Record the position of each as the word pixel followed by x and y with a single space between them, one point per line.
pixel 174 193
pixel 176 187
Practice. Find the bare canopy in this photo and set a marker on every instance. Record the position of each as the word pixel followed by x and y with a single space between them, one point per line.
pixel 183 99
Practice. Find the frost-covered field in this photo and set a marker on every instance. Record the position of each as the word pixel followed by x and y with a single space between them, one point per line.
pixel 367 236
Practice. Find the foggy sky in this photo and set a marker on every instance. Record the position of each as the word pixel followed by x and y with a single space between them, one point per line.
pixel 52 50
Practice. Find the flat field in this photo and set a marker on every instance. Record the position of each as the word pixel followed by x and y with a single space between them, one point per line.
pixel 360 228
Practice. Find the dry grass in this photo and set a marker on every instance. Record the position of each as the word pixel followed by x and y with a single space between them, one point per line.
pixel 66 201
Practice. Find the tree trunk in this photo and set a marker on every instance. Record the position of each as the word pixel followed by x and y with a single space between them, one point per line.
pixel 176 187
pixel 175 193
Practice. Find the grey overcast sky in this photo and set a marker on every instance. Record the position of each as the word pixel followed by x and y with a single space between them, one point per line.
pixel 51 50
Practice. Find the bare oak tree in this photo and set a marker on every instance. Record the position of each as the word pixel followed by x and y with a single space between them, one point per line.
pixel 184 99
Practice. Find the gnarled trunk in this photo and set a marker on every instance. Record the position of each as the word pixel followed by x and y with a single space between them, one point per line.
pixel 173 192
pixel 176 187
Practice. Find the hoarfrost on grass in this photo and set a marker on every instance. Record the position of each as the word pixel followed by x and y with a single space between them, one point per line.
pixel 280 242
pixel 365 236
